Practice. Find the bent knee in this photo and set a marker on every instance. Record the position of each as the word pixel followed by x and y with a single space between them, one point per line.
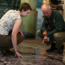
pixel 38 32
pixel 57 35
pixel 22 38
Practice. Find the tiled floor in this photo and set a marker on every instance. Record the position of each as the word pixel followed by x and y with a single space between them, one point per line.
pixel 34 53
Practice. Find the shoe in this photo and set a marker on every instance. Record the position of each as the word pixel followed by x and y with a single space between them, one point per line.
pixel 7 52
pixel 4 53
pixel 10 52
pixel 60 50
pixel 52 47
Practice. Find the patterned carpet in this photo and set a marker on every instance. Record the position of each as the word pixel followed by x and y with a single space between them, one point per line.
pixel 33 56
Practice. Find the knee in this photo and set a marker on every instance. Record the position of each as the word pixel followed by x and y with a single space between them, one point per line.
pixel 22 38
pixel 57 36
pixel 38 32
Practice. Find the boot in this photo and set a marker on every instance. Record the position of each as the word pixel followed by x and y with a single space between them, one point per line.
pixel 60 50
pixel 52 47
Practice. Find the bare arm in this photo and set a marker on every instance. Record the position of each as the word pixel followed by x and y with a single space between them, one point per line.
pixel 14 34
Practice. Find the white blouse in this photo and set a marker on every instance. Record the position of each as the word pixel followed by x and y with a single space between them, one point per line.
pixel 6 22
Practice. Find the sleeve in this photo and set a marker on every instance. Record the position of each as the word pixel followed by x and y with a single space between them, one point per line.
pixel 44 25
pixel 16 16
pixel 58 25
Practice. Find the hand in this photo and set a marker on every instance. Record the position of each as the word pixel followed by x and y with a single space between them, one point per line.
pixel 45 39
pixel 22 34
pixel 44 33
pixel 19 55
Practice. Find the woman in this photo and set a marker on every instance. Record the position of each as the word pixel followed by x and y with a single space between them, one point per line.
pixel 11 21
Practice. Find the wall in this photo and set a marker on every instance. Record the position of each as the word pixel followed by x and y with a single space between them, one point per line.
pixel 47 2
pixel 64 9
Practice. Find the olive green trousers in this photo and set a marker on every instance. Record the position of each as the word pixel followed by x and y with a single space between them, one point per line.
pixel 59 38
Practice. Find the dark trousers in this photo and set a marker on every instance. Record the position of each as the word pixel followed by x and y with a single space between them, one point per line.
pixel 6 42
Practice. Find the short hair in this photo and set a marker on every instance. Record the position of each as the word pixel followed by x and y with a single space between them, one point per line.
pixel 24 6
pixel 48 6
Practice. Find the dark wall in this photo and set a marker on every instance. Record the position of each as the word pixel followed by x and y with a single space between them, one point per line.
pixel 6 5
pixel 17 2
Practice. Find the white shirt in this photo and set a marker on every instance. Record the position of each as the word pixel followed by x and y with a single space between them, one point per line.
pixel 6 22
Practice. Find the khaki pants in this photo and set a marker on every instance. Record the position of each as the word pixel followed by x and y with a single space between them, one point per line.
pixel 59 38
pixel 6 42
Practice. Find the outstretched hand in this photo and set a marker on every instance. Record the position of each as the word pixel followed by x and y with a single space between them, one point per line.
pixel 45 39
pixel 19 55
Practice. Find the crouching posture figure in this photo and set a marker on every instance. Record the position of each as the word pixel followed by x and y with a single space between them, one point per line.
pixel 10 33
pixel 56 31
